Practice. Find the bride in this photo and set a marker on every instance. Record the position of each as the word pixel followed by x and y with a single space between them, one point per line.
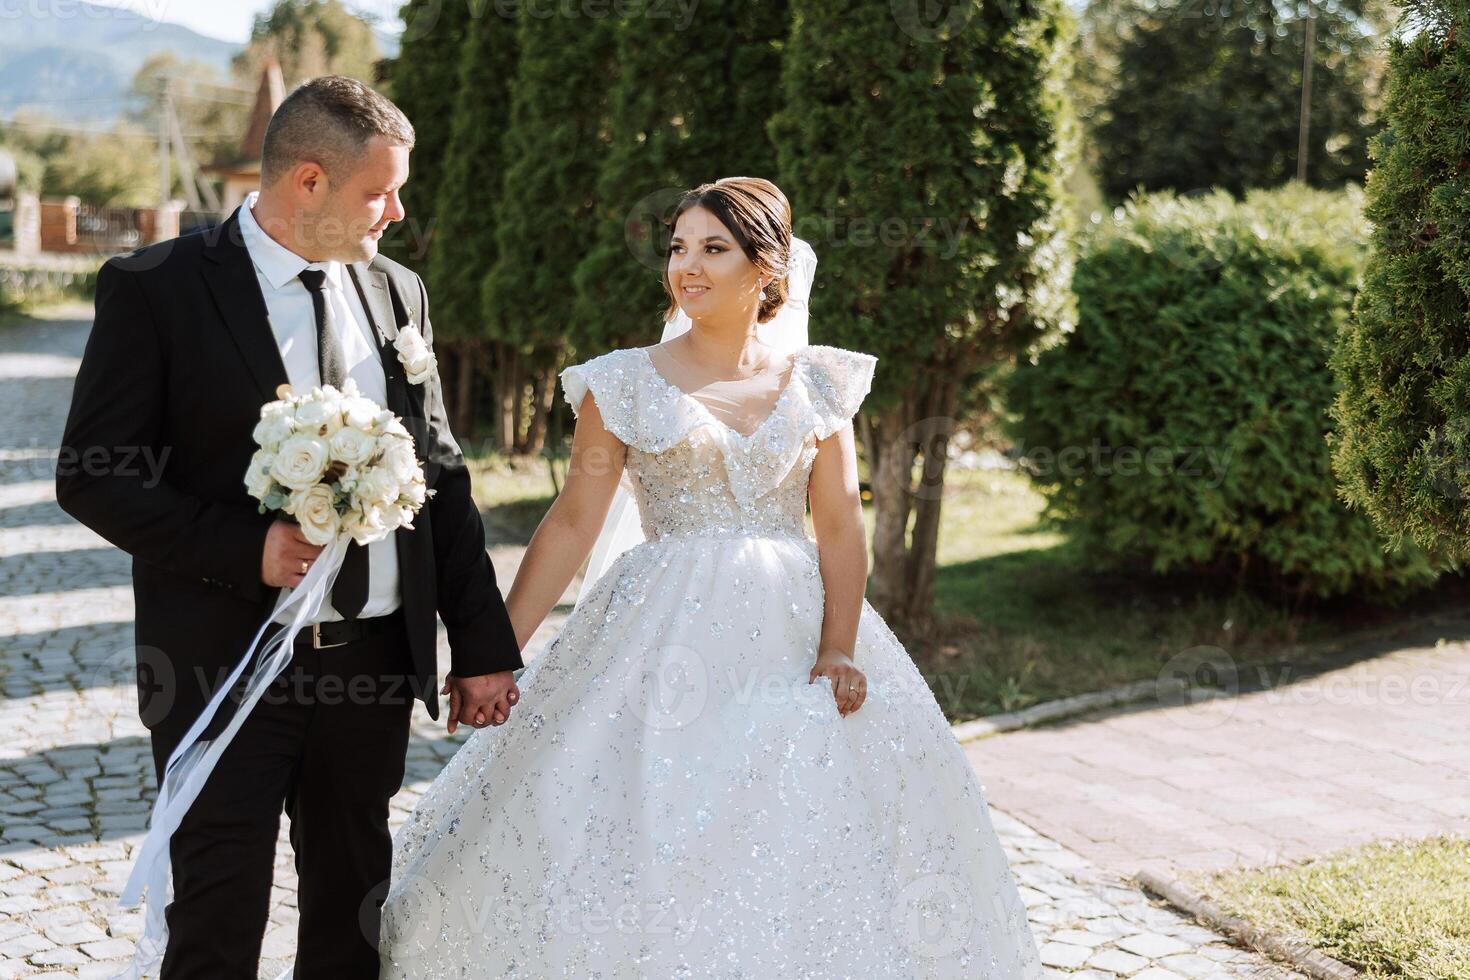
pixel 725 764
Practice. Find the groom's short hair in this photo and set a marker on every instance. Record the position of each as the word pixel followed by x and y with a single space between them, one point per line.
pixel 329 120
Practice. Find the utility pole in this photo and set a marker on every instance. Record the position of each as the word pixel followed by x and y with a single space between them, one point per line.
pixel 165 131
pixel 1304 124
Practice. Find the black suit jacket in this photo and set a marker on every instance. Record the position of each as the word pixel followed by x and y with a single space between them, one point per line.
pixel 180 359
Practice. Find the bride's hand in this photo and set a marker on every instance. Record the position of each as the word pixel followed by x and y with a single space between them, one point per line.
pixel 482 700
pixel 849 686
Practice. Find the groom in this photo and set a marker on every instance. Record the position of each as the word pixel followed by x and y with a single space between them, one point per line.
pixel 191 337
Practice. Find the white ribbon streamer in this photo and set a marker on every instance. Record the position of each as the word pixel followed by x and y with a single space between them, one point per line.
pixel 192 761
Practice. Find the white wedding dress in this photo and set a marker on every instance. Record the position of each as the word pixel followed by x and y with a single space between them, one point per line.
pixel 672 797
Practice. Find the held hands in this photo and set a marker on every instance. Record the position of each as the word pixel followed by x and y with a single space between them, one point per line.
pixel 849 686
pixel 480 701
pixel 287 556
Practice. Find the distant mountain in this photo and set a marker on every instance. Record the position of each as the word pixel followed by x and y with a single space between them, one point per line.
pixel 76 60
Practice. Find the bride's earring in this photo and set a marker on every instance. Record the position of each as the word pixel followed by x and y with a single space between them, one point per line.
pixel 763 292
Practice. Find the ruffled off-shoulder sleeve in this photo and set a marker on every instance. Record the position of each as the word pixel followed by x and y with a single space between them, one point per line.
pixel 607 377
pixel 840 380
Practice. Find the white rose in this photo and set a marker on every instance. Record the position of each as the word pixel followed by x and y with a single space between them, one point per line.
pixel 414 354
pixel 319 416
pixel 420 369
pixel 360 413
pixel 272 429
pixel 332 400
pixel 315 510
pixel 276 408
pixel 376 486
pixel 414 491
pixel 353 446
pixel 389 515
pixel 258 479
pixel 409 340
pixel 401 461
pixel 368 525
pixel 300 461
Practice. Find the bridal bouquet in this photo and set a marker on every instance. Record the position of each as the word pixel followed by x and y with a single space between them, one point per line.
pixel 337 463
pixel 344 468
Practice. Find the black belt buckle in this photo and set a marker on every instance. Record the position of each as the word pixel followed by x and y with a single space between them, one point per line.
pixel 316 639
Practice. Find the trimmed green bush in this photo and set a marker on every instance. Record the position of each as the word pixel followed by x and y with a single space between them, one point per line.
pixel 1184 424
pixel 25 287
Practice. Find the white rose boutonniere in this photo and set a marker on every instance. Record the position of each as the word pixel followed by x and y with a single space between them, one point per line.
pixel 414 354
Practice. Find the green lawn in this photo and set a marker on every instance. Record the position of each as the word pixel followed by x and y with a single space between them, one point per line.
pixel 513 496
pixel 1020 617
pixel 1390 909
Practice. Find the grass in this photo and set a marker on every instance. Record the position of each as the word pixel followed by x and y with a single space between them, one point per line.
pixel 1023 619
pixel 1390 909
pixel 513 495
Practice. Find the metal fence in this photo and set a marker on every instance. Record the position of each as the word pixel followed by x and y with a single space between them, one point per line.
pixel 102 229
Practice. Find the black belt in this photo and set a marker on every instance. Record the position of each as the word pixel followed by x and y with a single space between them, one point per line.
pixel 340 632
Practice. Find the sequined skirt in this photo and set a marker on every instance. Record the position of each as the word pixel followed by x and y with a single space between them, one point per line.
pixel 673 797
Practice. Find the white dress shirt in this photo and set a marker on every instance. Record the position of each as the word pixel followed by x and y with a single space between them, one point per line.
pixel 293 320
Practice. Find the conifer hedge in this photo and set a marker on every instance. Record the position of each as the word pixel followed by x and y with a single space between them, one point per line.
pixel 1402 453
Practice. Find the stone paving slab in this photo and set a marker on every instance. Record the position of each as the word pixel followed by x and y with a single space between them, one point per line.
pixel 76 771
pixel 1368 751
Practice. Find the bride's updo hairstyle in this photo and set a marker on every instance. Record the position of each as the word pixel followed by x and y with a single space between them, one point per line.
pixel 758 215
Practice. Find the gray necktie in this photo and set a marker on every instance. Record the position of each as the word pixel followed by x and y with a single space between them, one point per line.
pixel 349 591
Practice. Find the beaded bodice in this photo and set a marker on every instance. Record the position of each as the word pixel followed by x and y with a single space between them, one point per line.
pixel 693 474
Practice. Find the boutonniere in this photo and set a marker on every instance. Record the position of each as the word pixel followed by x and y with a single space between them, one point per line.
pixel 414 354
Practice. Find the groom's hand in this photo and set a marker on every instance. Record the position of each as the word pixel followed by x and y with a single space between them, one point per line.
pixel 287 556
pixel 480 701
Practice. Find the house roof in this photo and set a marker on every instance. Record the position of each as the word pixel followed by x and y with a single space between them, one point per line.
pixel 268 96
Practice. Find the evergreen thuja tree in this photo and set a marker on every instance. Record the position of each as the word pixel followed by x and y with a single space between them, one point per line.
pixel 423 81
pixel 923 161
pixel 554 144
pixel 676 122
pixel 473 169
pixel 1402 452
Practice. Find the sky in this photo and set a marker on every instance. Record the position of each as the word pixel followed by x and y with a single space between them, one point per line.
pixel 230 20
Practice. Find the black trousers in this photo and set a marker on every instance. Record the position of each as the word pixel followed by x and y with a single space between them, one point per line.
pixel 326 743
